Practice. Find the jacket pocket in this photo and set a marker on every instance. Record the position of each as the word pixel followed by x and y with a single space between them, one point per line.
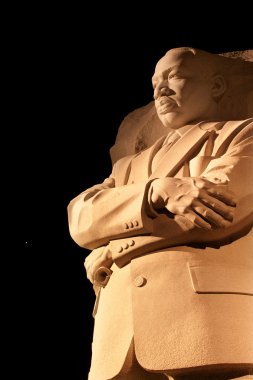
pixel 214 278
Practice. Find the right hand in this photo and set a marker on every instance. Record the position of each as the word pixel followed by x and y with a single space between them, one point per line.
pixel 203 203
pixel 99 257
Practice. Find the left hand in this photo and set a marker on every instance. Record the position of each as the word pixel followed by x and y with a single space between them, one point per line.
pixel 194 201
pixel 99 257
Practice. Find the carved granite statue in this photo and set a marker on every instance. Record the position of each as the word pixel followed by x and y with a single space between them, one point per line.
pixel 142 127
pixel 170 232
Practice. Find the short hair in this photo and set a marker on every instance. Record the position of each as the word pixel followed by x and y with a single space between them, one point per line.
pixel 221 64
pixel 238 75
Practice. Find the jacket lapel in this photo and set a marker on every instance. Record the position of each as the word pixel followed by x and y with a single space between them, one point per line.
pixel 181 151
pixel 139 170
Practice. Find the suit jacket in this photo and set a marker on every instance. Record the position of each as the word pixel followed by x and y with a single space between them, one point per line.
pixel 185 296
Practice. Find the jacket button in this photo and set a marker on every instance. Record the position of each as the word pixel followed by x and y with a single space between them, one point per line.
pixel 131 243
pixel 136 223
pixel 125 245
pixel 126 226
pixel 140 281
pixel 120 249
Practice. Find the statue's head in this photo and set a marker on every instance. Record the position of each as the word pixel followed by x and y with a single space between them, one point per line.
pixel 192 85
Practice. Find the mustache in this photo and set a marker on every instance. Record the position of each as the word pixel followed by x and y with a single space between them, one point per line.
pixel 164 99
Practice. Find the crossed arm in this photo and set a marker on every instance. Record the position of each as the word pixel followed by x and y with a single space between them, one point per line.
pixel 192 204
pixel 164 212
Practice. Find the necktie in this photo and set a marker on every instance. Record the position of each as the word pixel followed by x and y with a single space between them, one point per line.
pixel 168 142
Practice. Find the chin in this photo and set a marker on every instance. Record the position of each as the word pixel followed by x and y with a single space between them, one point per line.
pixel 172 120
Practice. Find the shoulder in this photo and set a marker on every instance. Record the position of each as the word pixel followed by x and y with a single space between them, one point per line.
pixel 126 160
pixel 238 125
pixel 236 130
pixel 121 169
pixel 239 129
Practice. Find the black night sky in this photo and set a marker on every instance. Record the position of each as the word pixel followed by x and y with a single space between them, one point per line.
pixel 70 90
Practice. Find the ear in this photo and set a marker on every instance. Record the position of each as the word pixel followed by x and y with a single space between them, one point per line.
pixel 218 86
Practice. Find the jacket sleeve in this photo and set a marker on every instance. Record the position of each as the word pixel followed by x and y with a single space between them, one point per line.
pixel 234 167
pixel 105 212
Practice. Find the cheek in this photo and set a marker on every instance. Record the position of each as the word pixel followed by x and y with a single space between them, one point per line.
pixel 184 93
pixel 196 97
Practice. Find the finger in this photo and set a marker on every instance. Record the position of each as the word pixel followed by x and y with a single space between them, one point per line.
pixel 88 273
pixel 90 276
pixel 216 205
pixel 209 215
pixel 85 264
pixel 93 269
pixel 89 259
pixel 184 223
pixel 197 220
pixel 88 262
pixel 96 253
pixel 223 194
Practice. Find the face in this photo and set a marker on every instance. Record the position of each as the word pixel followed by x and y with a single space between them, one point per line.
pixel 182 90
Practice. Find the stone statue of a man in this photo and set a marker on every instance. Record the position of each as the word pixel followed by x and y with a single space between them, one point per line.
pixel 170 233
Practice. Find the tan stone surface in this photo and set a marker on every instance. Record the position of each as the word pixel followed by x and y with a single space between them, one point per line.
pixel 246 55
pixel 173 222
pixel 142 127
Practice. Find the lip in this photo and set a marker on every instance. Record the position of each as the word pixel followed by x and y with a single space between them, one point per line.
pixel 164 105
pixel 165 100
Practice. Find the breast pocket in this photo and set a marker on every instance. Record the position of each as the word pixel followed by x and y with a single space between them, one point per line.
pixel 212 278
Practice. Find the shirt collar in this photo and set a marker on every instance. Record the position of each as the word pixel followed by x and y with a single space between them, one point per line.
pixel 181 131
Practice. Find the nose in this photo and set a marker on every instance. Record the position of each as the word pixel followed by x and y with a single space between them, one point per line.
pixel 162 88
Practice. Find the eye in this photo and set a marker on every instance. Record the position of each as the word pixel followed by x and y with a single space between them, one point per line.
pixel 174 76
